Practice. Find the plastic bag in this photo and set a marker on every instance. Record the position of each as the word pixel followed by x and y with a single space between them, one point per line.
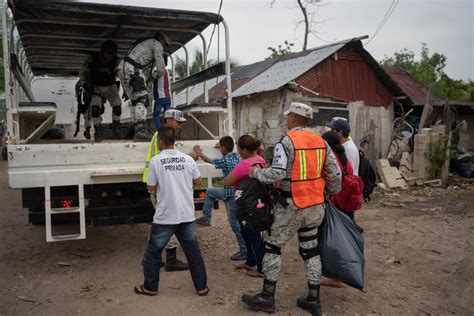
pixel 341 247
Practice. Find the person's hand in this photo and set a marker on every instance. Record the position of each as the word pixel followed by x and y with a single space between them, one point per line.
pixel 194 156
pixel 153 198
pixel 252 171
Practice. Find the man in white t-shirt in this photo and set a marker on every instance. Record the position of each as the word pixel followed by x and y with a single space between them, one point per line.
pixel 342 128
pixel 171 175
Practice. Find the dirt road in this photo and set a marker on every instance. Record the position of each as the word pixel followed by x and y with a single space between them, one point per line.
pixel 419 260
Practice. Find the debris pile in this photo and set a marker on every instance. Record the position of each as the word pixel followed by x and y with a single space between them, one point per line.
pixel 426 164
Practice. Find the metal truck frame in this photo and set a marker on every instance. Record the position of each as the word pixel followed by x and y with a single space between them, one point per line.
pixel 98 182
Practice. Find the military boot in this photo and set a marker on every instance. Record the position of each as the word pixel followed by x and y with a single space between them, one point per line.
pixel 172 262
pixel 98 133
pixel 311 302
pixel 141 135
pixel 116 129
pixel 264 301
pixel 87 133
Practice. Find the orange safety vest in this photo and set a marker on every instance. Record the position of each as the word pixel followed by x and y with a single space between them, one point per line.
pixel 307 182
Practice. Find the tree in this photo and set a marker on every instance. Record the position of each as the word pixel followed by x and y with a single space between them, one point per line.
pixel 429 69
pixel 279 51
pixel 308 10
pixel 2 70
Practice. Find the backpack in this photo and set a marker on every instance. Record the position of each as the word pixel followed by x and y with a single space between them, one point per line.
pixel 367 174
pixel 254 205
pixel 351 196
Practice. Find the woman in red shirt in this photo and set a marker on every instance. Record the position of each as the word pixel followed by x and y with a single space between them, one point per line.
pixel 333 141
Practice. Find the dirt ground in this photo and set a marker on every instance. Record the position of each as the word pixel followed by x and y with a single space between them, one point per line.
pixel 419 260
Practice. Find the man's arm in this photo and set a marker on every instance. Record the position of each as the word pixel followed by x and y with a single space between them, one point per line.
pixel 158 57
pixel 333 172
pixel 205 158
pixel 277 171
pixel 152 180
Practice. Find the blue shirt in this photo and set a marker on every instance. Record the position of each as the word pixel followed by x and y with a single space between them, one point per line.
pixel 227 164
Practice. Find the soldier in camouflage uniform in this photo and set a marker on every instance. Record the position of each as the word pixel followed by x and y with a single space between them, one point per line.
pixel 292 220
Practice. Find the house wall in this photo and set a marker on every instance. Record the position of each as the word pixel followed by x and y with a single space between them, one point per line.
pixel 345 76
pixel 375 123
pixel 261 115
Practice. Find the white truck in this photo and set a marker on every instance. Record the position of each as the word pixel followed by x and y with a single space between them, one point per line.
pixel 44 45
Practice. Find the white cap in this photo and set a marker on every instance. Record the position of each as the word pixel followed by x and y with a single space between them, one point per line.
pixel 175 114
pixel 300 109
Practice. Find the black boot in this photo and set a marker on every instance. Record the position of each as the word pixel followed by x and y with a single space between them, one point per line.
pixel 140 133
pixel 116 129
pixel 98 133
pixel 172 262
pixel 311 302
pixel 87 133
pixel 264 301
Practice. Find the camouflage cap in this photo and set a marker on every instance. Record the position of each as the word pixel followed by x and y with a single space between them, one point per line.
pixel 300 109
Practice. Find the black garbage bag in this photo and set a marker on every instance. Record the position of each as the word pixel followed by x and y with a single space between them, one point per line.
pixel 462 165
pixel 341 247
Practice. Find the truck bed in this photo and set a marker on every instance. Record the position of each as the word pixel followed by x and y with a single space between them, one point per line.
pixel 67 163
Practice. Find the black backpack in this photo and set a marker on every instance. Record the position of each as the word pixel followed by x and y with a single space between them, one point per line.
pixel 254 205
pixel 367 173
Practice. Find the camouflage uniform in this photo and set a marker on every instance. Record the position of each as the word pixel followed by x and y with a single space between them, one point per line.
pixel 291 220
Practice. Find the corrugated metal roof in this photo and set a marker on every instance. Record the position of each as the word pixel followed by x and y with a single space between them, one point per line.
pixel 285 71
pixel 250 71
pixel 415 90
pixel 240 75
pixel 195 91
pixel 289 68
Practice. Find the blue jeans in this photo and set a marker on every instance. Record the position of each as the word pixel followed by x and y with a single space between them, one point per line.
pixel 214 194
pixel 159 236
pixel 163 103
pixel 255 248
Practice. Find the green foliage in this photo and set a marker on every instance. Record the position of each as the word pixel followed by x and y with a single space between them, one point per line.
pixel 2 70
pixel 429 69
pixel 196 64
pixel 281 51
pixel 439 151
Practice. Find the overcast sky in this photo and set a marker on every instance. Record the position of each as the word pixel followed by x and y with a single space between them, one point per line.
pixel 445 25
